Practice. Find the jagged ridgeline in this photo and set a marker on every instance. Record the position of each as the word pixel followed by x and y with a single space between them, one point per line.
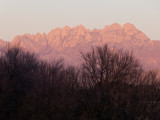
pixel 68 42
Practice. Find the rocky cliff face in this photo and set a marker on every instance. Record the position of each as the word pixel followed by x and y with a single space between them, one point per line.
pixel 68 42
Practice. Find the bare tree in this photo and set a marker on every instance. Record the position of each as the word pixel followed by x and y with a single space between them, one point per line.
pixel 112 85
pixel 109 85
pixel 18 68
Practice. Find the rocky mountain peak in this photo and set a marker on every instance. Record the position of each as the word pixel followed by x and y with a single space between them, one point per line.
pixel 129 26
pixel 81 27
pixel 68 42
pixel 130 29
pixel 66 28
pixel 114 26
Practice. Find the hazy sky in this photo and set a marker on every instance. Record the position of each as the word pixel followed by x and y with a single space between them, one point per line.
pixel 30 16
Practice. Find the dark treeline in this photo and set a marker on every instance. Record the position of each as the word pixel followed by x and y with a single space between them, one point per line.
pixel 109 85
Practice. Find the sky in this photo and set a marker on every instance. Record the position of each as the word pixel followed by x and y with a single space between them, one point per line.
pixel 18 17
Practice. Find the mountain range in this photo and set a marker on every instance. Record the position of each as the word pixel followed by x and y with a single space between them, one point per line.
pixel 68 43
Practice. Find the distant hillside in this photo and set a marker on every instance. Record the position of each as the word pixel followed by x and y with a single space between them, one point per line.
pixel 68 42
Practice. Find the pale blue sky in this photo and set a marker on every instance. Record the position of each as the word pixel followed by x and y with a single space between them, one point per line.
pixel 31 16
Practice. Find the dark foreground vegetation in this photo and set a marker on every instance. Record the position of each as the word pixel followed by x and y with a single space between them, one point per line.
pixel 109 85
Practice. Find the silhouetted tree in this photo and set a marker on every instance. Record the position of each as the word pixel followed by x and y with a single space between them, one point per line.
pixel 17 69
pixel 113 84
pixel 109 85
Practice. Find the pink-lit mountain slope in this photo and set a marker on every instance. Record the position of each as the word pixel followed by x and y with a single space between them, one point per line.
pixel 68 42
